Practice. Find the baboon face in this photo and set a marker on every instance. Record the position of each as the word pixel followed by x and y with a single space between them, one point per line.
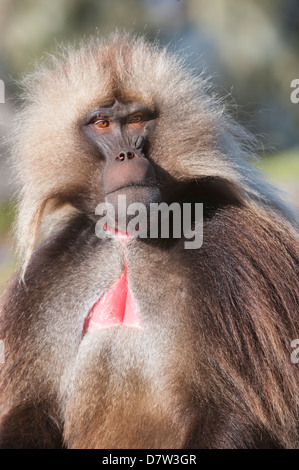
pixel 119 135
pixel 135 124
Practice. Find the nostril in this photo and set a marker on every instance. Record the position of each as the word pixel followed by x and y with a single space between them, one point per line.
pixel 121 156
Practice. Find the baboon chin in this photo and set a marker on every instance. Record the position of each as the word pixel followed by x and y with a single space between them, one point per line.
pixel 126 341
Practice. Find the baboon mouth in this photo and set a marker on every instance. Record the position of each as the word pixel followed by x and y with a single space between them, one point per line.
pixel 131 186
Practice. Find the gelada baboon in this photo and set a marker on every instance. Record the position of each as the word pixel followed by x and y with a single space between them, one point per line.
pixel 200 355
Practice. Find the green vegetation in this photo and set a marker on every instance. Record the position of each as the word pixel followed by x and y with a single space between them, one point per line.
pixel 5 274
pixel 283 166
pixel 7 260
pixel 7 216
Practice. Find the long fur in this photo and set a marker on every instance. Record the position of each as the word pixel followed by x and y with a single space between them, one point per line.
pixel 207 143
pixel 213 366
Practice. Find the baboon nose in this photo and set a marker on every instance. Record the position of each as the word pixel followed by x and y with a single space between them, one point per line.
pixel 125 156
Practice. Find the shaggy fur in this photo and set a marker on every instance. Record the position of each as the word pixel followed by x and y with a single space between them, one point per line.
pixel 212 366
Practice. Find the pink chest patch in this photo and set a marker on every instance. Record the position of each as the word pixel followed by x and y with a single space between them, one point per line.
pixel 115 307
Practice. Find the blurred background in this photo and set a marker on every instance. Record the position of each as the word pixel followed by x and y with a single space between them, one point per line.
pixel 250 48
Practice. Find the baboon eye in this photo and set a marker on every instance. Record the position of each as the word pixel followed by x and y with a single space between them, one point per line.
pixel 135 119
pixel 102 123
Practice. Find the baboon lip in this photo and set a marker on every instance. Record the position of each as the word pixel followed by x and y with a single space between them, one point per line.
pixel 131 185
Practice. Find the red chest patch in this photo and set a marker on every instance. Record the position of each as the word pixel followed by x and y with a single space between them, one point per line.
pixel 115 307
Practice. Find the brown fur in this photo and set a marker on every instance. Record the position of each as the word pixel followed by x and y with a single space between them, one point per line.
pixel 212 366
